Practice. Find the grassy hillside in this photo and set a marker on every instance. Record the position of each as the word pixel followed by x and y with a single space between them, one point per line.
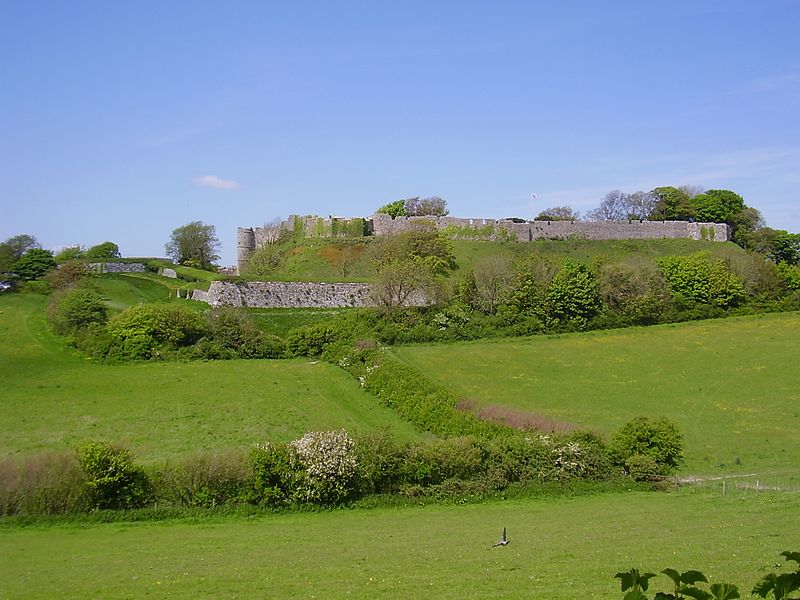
pixel 327 260
pixel 560 549
pixel 733 385
pixel 54 400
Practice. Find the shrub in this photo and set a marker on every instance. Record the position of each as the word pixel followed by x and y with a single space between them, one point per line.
pixel 573 293
pixel 694 279
pixel 74 309
pixel 143 331
pixel 46 483
pixel 113 480
pixel 378 461
pixel 660 440
pixel 67 275
pixel 439 460
pixel 69 254
pixel 310 340
pixel 330 466
pixel 206 479
pixel 276 474
pixel 233 330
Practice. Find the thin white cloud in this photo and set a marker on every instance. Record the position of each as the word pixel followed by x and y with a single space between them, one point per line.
pixel 212 181
pixel 772 83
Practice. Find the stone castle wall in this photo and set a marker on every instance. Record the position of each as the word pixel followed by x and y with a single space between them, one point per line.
pixel 277 294
pixel 251 239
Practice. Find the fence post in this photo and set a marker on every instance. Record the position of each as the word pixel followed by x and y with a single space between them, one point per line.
pixel 723 487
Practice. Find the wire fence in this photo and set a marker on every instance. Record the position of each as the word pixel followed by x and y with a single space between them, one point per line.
pixel 755 482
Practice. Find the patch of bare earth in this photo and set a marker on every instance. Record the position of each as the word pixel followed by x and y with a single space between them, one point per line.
pixel 517 419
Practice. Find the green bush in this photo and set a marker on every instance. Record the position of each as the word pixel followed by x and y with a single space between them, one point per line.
pixel 104 250
pixel 112 479
pixel 378 459
pixel 148 330
pixel 573 293
pixel 276 475
pixel 46 483
pixel 232 333
pixel 659 440
pixel 205 479
pixel 311 340
pixel 694 279
pixel 434 462
pixel 74 309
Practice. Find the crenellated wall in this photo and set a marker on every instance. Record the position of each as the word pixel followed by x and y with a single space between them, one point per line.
pixel 251 239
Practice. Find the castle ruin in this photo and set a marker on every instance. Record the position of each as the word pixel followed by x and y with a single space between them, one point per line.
pixel 250 239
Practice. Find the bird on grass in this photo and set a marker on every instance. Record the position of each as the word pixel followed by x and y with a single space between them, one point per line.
pixel 504 541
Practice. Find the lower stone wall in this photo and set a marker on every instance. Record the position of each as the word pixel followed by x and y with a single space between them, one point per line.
pixel 286 294
pixel 115 267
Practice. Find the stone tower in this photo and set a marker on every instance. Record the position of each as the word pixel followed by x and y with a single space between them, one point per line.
pixel 245 246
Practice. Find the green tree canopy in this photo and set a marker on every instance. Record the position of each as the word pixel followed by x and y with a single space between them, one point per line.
pixel 13 248
pixel 34 263
pixel 717 206
pixel 195 244
pixel 393 209
pixel 104 250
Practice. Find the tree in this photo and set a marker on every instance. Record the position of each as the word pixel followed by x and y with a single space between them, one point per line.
pixel 400 282
pixel 195 244
pixel 640 205
pixel 423 244
pixel 34 263
pixel 13 248
pixel 717 206
pixel 421 207
pixel 69 253
pixel 673 203
pixel 573 293
pixel 558 213
pixel 104 250
pixel 493 277
pixel 393 209
pixel 613 207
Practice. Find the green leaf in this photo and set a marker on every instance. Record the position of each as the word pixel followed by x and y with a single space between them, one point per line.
pixel 674 575
pixel 724 591
pixel 634 580
pixel 696 593
pixel 663 596
pixel 795 556
pixel 634 595
pixel 786 584
pixel 692 577
pixel 765 586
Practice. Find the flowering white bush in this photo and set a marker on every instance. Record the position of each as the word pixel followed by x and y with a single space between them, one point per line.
pixel 568 458
pixel 330 465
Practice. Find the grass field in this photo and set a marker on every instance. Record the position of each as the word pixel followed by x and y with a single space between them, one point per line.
pixel 732 385
pixel 562 548
pixel 53 399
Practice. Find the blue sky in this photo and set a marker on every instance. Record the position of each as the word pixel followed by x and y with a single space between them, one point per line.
pixel 123 121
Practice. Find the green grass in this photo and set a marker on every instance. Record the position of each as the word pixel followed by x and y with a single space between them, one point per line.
pixel 732 385
pixel 54 400
pixel 278 321
pixel 307 261
pixel 561 548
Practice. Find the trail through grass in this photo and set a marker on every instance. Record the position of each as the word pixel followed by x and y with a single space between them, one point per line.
pixel 732 385
pixel 562 548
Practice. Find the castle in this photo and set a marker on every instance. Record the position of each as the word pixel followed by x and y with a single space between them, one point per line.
pixel 249 239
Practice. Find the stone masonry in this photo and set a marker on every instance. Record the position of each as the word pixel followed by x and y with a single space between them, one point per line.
pixel 249 239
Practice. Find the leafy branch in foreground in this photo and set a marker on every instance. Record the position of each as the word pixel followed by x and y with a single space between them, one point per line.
pixel 685 585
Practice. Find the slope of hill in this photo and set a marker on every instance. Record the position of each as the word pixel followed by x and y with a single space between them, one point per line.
pixel 731 384
pixel 53 399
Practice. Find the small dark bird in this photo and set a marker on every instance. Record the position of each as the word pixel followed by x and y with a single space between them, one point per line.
pixel 504 541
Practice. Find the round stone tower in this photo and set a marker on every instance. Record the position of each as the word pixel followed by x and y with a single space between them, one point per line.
pixel 245 246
